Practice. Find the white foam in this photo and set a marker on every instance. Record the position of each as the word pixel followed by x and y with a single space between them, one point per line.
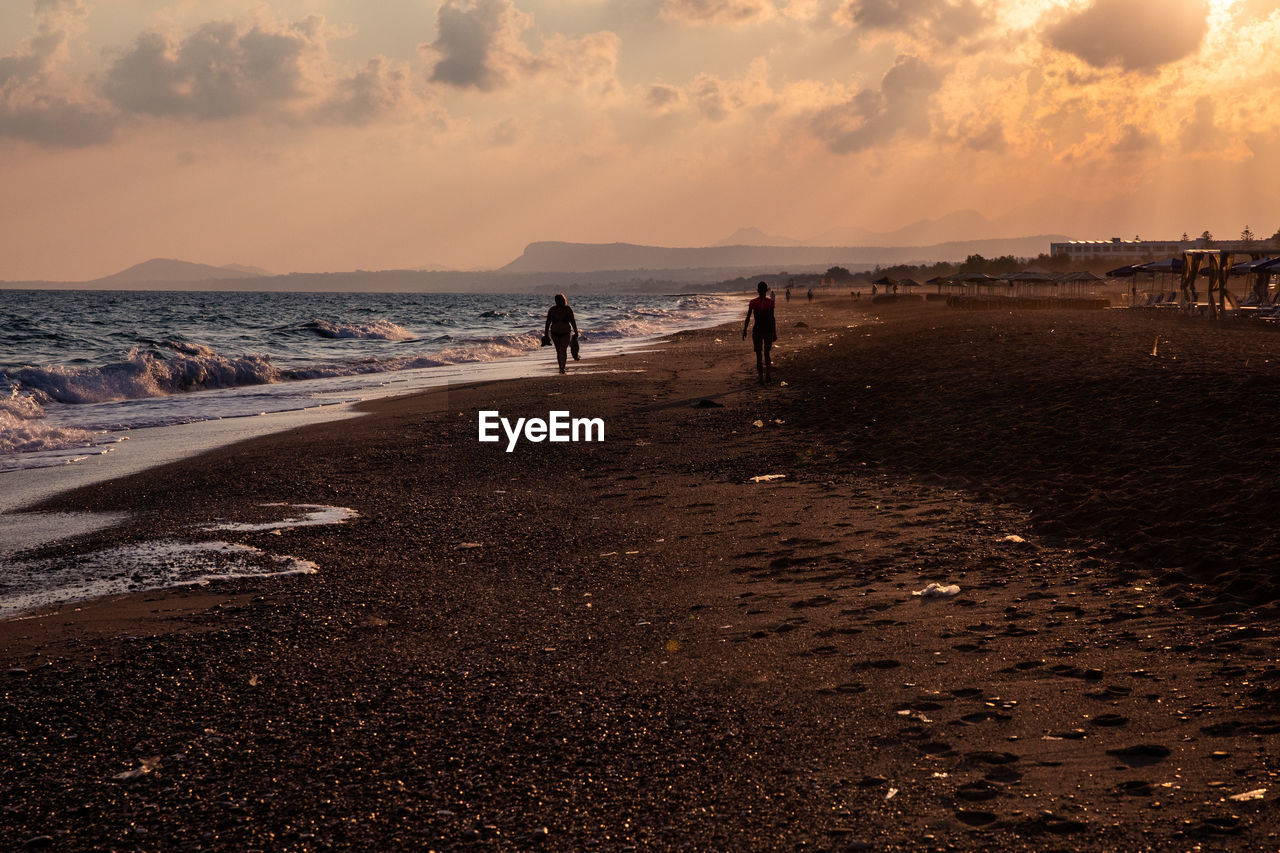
pixel 378 330
pixel 180 367
pixel 162 564
pixel 310 516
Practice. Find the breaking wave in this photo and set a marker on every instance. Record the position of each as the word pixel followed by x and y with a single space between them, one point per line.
pixel 378 330
pixel 40 404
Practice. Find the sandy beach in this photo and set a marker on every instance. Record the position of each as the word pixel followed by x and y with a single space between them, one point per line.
pixel 639 644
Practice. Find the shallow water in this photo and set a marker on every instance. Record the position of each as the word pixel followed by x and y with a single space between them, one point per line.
pixel 80 370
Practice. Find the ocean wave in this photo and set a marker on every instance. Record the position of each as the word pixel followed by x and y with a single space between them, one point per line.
pixel 184 367
pixel 24 430
pixel 39 405
pixel 377 330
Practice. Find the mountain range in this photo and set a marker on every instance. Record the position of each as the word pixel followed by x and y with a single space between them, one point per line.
pixel 169 270
pixel 957 226
pixel 558 257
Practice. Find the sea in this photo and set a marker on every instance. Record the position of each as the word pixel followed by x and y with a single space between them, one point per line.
pixel 82 371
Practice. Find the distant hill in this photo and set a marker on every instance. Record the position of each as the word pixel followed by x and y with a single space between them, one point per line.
pixel 953 227
pixel 756 237
pixel 960 225
pixel 549 257
pixel 170 270
pixel 258 271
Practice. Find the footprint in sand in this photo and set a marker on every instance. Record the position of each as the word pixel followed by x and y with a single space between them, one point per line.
pixel 1004 774
pixel 977 792
pixel 1141 754
pixel 1110 720
pixel 974 818
pixel 1135 788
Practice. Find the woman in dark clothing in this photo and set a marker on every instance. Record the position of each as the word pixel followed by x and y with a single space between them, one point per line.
pixel 561 327
pixel 764 333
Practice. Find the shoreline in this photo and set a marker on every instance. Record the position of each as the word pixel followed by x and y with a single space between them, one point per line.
pixel 26 486
pixel 633 644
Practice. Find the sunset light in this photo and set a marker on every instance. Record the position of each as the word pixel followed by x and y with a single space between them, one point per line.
pixel 757 426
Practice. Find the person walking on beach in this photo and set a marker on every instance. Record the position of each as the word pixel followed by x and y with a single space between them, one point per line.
pixel 562 328
pixel 764 333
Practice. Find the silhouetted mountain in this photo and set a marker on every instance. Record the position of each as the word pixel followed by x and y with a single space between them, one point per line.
pixel 755 237
pixel 247 269
pixel 553 257
pixel 170 270
pixel 956 226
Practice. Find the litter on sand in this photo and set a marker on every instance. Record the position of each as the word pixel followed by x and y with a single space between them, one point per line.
pixel 768 478
pixel 937 590
pixel 1256 794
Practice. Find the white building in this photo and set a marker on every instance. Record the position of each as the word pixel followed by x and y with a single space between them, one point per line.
pixel 1123 251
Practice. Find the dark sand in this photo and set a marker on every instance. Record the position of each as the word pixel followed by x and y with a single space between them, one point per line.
pixel 649 651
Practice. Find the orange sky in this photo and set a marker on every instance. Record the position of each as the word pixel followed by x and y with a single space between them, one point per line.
pixel 335 134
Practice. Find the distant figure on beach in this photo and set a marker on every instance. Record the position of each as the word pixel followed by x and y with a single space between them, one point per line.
pixel 764 333
pixel 811 294
pixel 562 327
pixel 788 293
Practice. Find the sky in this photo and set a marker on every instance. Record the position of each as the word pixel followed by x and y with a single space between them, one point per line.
pixel 309 135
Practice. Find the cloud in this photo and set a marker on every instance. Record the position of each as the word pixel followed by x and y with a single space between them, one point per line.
pixel 55 22
pixel 1135 141
pixel 56 121
pixel 989 137
pixel 1201 132
pixel 872 116
pixel 663 97
pixel 589 62
pixel 716 12
pixel 1248 10
pixel 944 21
pixel 479 44
pixel 222 70
pixel 709 96
pixel 37 107
pixel 360 98
pixel 1137 35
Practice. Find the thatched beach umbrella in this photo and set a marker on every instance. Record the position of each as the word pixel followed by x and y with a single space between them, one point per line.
pixel 1031 280
pixel 1080 282
pixel 977 281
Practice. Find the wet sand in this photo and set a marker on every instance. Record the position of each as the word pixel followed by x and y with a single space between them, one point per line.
pixel 633 645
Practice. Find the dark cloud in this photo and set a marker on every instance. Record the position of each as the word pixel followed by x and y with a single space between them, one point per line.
pixel 662 96
pixel 32 107
pixel 872 116
pixel 709 95
pixel 716 12
pixel 989 137
pixel 1137 35
pixel 1135 141
pixel 478 43
pixel 365 96
pixel 55 121
pixel 220 71
pixel 1201 131
pixel 945 21
pixel 54 20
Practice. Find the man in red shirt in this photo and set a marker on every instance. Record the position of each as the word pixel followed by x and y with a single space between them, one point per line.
pixel 764 333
